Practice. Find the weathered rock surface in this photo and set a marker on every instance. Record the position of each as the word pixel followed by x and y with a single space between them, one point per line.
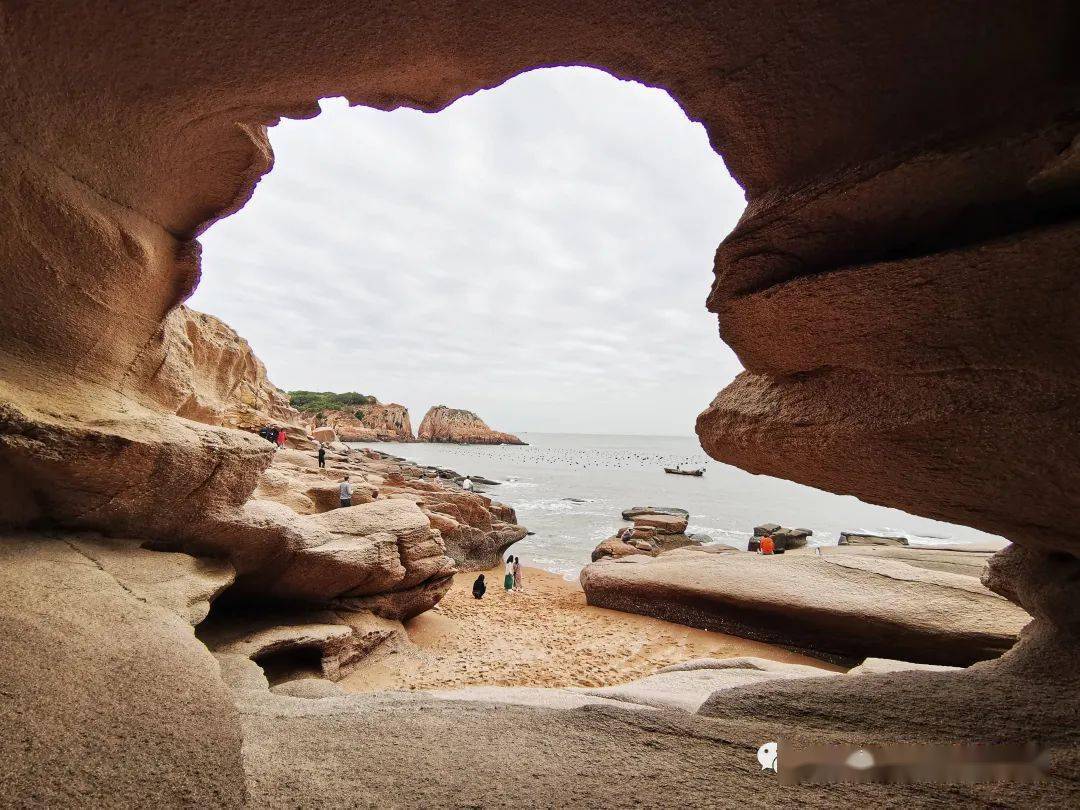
pixel 108 698
pixel 688 685
pixel 457 426
pixel 636 511
pixel 210 374
pixel 655 543
pixel 902 237
pixel 783 538
pixel 851 539
pixel 375 422
pixel 840 604
pixel 664 524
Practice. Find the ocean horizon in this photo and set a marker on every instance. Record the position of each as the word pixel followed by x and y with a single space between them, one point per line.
pixel 570 489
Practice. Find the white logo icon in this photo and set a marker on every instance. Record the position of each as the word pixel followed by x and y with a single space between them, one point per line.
pixel 766 755
pixel 860 760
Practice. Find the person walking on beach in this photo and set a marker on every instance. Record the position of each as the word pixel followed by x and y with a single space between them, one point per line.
pixel 281 436
pixel 517 574
pixel 322 455
pixel 508 579
pixel 345 492
pixel 479 588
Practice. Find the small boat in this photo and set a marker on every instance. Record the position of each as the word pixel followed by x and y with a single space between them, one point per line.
pixel 681 471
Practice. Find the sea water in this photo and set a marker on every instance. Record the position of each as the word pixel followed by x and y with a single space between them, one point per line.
pixel 570 489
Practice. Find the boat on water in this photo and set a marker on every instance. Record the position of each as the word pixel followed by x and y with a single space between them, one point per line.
pixel 681 471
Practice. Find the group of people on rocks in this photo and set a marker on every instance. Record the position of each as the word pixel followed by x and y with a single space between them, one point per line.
pixel 512 580
pixel 274 434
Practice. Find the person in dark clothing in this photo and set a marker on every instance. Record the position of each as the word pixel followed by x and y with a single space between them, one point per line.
pixel 273 436
pixel 479 588
pixel 264 432
pixel 322 455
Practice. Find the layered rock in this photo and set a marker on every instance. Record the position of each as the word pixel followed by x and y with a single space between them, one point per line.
pixel 853 539
pixel 841 603
pixel 210 374
pixel 784 538
pixel 375 422
pixel 456 426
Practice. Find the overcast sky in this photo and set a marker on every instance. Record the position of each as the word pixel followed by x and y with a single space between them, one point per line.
pixel 539 253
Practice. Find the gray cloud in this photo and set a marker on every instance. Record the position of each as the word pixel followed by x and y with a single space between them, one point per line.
pixel 539 253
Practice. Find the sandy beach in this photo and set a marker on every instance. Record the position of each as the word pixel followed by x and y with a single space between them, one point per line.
pixel 544 636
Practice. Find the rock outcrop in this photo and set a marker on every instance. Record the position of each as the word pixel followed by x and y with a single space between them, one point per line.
pixel 456 426
pixel 784 538
pixel 210 374
pixel 375 422
pixel 840 604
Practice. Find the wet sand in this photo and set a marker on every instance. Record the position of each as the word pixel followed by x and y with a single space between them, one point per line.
pixel 544 636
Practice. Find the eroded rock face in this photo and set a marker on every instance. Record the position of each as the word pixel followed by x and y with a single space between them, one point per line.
pixel 209 373
pixel 901 289
pixel 457 426
pixel 843 603
pixel 376 422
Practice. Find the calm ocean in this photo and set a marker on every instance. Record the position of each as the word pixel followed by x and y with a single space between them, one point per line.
pixel 570 489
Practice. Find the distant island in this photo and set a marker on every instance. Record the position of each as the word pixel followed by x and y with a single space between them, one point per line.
pixel 458 426
pixel 355 417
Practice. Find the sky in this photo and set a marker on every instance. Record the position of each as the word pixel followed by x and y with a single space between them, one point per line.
pixel 539 253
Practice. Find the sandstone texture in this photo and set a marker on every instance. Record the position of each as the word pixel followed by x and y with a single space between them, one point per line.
pixel 374 422
pixel 456 426
pixel 850 539
pixel 901 290
pixel 108 698
pixel 842 604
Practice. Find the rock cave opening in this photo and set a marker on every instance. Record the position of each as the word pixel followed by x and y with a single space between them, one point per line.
pixel 535 249
pixel 904 369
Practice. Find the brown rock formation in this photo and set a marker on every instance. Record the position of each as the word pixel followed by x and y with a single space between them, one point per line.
pixel 842 603
pixel 456 426
pixel 368 423
pixel 210 374
pixel 901 290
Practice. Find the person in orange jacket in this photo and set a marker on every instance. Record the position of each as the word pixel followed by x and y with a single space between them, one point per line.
pixel 767 545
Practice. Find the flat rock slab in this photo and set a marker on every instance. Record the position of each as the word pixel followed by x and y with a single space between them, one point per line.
pixel 664 524
pixel 836 605
pixel 688 685
pixel 637 511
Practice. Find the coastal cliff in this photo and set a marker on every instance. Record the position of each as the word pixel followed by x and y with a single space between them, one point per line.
pixel 210 374
pixel 458 426
pixel 375 422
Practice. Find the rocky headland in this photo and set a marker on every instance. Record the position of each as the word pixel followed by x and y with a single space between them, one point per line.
pixel 457 426
pixel 371 422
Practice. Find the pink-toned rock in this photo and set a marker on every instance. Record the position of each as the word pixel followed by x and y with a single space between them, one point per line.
pixel 663 524
pixel 457 426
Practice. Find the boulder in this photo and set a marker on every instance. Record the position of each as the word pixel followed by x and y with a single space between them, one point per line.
pixel 324 434
pixel 783 538
pixel 613 547
pixel 664 524
pixel 635 511
pixel 845 605
pixel 852 539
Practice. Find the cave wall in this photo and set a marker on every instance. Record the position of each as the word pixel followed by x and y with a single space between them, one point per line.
pixel 899 288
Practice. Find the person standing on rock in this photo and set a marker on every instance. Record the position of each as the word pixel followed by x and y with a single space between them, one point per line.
pixel 508 579
pixel 517 574
pixel 466 484
pixel 345 492
pixel 322 455
pixel 271 435
pixel 281 436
